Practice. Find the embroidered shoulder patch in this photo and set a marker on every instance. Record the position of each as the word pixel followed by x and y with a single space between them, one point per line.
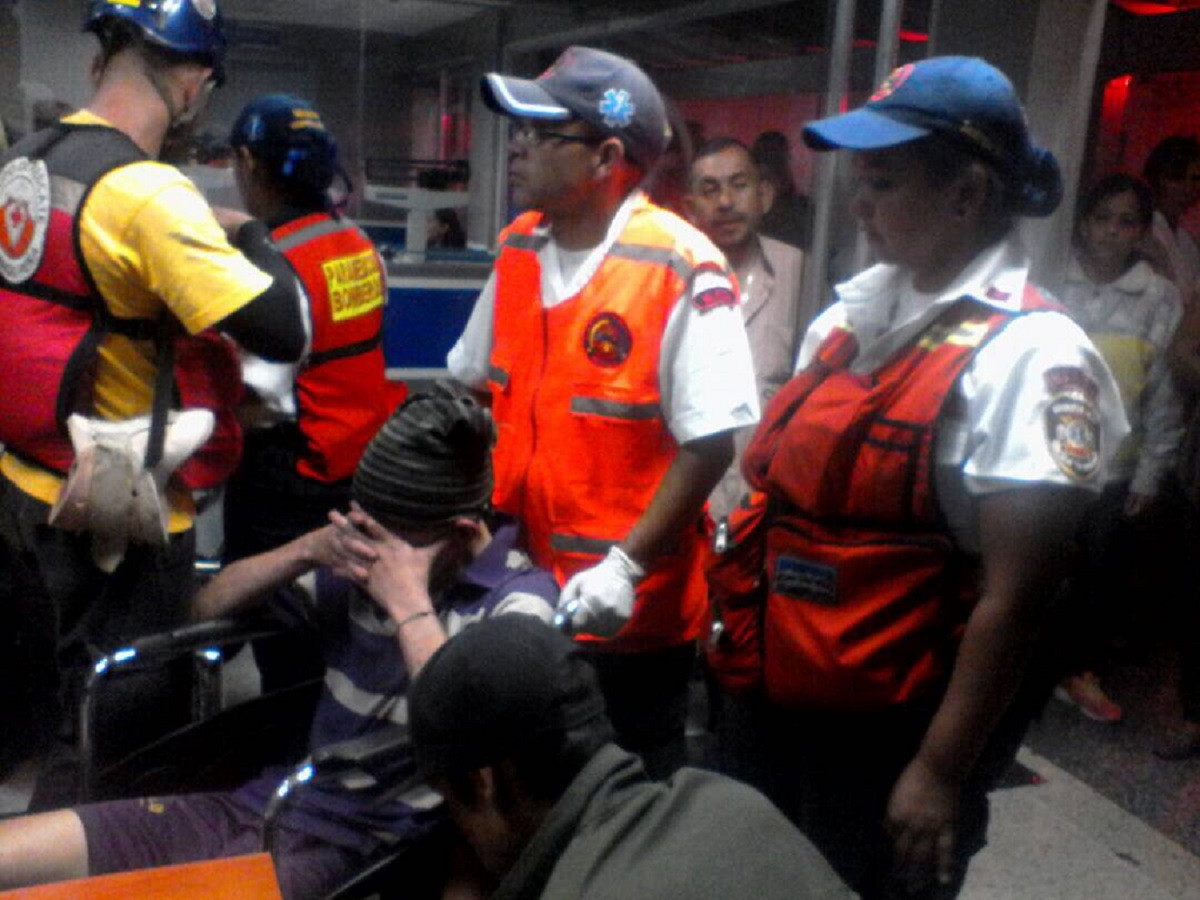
pixel 24 216
pixel 607 340
pixel 713 298
pixel 1072 422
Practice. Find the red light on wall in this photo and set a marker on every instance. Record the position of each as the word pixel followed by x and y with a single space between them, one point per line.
pixel 1153 8
pixel 1116 95
pixel 915 37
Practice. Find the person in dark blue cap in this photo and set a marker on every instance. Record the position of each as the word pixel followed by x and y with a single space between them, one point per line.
pixel 307 422
pixel 925 470
pixel 610 339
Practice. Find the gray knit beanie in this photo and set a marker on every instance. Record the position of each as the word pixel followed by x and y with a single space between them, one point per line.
pixel 430 462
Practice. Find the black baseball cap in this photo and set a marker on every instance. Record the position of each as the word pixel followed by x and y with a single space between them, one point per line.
pixel 601 88
pixel 500 685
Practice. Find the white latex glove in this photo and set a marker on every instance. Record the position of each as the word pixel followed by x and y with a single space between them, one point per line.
pixel 599 600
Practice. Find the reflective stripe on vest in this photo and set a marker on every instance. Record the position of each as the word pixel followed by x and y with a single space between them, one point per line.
pixel 341 388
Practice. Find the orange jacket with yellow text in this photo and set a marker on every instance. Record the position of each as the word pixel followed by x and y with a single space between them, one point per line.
pixel 341 388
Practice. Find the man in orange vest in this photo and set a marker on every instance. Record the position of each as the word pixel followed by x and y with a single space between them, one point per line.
pixel 611 342
pixel 307 422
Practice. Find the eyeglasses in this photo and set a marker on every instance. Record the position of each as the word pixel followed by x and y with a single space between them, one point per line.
pixel 527 134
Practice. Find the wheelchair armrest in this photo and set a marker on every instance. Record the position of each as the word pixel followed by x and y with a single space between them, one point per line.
pixel 364 753
pixel 154 648
pixel 353 764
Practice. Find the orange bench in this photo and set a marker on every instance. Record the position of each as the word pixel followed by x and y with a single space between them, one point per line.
pixel 236 878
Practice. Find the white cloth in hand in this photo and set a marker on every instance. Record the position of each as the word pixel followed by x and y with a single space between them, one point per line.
pixel 598 601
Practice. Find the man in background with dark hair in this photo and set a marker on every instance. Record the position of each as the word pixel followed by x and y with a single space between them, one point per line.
pixel 726 199
pixel 1173 171
pixel 413 562
pixel 106 255
pixel 508 723
pixel 787 213
pixel 610 341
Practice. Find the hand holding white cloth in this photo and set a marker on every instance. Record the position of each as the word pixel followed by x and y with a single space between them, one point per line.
pixel 599 601
pixel 110 494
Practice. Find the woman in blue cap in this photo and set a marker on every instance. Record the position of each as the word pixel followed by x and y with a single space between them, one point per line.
pixel 924 472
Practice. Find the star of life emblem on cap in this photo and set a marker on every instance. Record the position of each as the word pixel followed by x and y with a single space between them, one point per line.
pixel 24 216
pixel 617 108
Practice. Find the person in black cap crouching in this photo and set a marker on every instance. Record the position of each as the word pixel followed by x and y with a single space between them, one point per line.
pixel 412 562
pixel 509 724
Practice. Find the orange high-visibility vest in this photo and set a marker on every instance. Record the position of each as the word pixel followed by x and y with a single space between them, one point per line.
pixel 341 388
pixel 867 592
pixel 582 444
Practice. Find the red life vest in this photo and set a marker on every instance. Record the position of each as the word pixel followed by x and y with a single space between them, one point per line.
pixel 342 396
pixel 55 317
pixel 867 592
pixel 582 444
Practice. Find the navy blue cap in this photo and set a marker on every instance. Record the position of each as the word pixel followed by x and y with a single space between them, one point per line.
pixel 964 98
pixel 607 91
pixel 287 132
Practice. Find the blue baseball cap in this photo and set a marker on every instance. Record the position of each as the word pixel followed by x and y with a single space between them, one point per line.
pixel 960 97
pixel 607 91
pixel 287 132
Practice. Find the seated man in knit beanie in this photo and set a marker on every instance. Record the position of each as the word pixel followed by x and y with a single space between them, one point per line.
pixel 412 562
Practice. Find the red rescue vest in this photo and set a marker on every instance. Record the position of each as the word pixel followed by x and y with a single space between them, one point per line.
pixel 341 388
pixel 866 591
pixel 582 445
pixel 55 318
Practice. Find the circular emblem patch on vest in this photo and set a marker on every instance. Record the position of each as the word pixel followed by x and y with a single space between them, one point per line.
pixel 24 215
pixel 607 340
pixel 1072 423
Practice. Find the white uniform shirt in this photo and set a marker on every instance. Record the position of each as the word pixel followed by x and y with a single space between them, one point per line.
pixel 1131 320
pixel 705 372
pixel 999 432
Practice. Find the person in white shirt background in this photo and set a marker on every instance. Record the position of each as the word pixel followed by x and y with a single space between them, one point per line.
pixel 1130 313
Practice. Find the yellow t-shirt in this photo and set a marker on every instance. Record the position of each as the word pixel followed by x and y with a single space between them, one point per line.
pixel 149 239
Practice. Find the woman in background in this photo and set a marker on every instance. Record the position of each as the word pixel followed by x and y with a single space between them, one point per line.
pixel 1130 313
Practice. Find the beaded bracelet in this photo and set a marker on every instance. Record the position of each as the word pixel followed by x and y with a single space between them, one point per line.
pixel 417 615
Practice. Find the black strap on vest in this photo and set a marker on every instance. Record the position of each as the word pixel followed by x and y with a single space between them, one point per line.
pixel 103 150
